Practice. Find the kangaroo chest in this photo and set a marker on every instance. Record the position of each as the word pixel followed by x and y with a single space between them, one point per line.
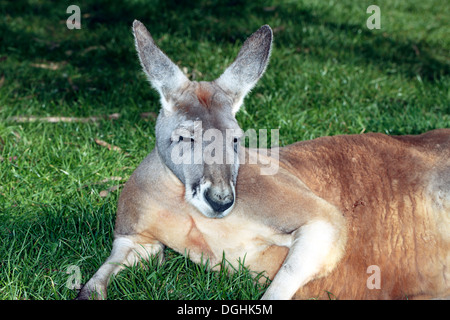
pixel 235 238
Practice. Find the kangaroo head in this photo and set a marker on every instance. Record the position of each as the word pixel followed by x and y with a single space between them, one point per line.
pixel 197 135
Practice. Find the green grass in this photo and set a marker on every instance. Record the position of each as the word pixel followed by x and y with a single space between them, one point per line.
pixel 328 75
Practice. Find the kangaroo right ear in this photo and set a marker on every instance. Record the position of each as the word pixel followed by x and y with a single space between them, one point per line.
pixel 163 74
pixel 243 74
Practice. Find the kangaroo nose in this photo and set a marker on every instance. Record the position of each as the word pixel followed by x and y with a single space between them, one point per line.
pixel 219 201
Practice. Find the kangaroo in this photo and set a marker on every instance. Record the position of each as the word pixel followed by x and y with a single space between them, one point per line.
pixel 359 216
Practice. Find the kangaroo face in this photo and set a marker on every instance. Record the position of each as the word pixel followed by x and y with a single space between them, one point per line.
pixel 197 136
pixel 199 142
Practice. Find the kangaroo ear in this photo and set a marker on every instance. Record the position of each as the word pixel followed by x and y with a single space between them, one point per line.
pixel 163 74
pixel 243 74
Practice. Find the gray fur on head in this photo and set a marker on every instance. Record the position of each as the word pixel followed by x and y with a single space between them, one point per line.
pixel 192 110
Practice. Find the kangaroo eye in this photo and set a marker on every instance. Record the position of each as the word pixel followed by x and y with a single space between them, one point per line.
pixel 235 146
pixel 181 138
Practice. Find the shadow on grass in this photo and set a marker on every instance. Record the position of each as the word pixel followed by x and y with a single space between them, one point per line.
pixel 102 52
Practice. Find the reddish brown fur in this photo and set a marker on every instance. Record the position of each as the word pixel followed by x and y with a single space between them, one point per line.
pixel 204 96
pixel 380 184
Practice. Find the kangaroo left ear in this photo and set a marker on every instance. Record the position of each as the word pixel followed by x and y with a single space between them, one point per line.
pixel 243 74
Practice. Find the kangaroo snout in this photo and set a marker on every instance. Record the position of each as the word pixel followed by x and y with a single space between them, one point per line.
pixel 219 199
